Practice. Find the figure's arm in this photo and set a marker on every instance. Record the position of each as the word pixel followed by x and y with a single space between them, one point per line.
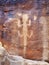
pixel 29 36
pixel 29 24
pixel 19 24
pixel 19 34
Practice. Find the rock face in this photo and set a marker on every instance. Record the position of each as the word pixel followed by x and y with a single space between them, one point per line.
pixel 35 48
pixel 27 38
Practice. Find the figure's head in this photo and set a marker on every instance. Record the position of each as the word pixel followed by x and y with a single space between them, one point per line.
pixel 25 17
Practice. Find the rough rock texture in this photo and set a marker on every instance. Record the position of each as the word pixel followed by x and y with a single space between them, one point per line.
pixel 26 62
pixel 15 43
pixel 34 48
